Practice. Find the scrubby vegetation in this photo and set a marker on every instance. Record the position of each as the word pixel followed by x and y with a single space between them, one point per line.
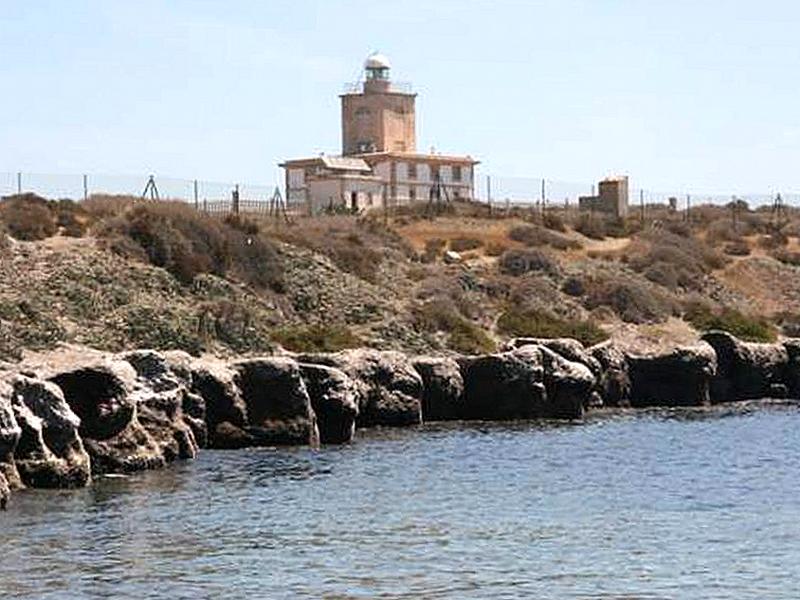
pixel 746 327
pixel 242 283
pixel 463 335
pixel 316 338
pixel 518 262
pixel 543 324
pixel 534 235
pixel 187 243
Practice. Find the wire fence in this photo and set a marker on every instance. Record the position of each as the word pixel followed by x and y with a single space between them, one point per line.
pixel 523 191
pixel 217 197
pixel 211 194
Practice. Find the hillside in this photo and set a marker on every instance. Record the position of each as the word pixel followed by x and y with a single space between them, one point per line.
pixel 113 273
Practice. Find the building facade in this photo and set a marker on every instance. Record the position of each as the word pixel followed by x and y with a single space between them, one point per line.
pixel 611 199
pixel 379 165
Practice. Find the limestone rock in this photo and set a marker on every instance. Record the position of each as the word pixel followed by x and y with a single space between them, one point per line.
pixel 569 348
pixel 278 406
pixel 160 398
pixel 614 383
pixel 747 370
pixel 388 388
pixel 214 382
pixel 504 386
pixel 569 385
pixel 333 399
pixel 10 433
pixel 50 453
pixel 677 377
pixel 442 388
pixel 5 492
pixel 102 394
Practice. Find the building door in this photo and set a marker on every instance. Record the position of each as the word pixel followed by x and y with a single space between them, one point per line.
pixel 354 201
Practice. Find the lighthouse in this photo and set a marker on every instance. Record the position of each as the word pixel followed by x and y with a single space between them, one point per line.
pixel 377 114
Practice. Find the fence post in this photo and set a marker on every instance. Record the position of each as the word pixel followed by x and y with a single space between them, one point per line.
pixel 85 187
pixel 195 195
pixel 489 192
pixel 19 182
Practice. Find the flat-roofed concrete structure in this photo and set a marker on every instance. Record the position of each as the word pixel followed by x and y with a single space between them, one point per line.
pixel 612 197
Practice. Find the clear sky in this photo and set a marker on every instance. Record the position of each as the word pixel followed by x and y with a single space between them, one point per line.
pixel 682 95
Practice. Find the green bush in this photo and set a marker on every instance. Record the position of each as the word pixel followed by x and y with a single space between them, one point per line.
pixel 745 327
pixel 539 323
pixel 316 338
pixel 463 335
pixel 518 262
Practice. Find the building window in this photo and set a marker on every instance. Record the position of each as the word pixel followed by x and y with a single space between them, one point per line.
pixel 456 172
pixel 412 193
pixel 362 112
pixel 412 170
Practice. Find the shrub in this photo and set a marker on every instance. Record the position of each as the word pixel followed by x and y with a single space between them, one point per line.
pixel 533 235
pixel 462 334
pixel 573 286
pixel 745 327
pixel 539 323
pixel 27 217
pixel 774 240
pixel 631 300
pixel 243 224
pixel 186 243
pixel 787 256
pixel 462 244
pixel 495 249
pixel 671 260
pixel 737 248
pixel 316 338
pixel 433 248
pixel 518 262
pixel 552 220
pixel 591 226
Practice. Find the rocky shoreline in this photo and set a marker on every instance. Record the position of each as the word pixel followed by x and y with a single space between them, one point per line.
pixel 74 414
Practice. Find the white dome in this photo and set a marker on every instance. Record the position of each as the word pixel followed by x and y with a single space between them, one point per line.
pixel 377 60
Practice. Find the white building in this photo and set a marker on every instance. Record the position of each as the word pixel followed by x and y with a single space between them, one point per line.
pixel 379 162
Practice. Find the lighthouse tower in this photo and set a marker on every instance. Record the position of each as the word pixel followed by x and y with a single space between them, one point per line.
pixel 377 115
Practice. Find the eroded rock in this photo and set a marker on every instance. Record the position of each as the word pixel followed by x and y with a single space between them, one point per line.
pixel 102 394
pixel 278 406
pixel 9 436
pixel 333 399
pixel 442 388
pixel 614 383
pixel 214 382
pixel 388 388
pixel 504 386
pixel 677 377
pixel 747 370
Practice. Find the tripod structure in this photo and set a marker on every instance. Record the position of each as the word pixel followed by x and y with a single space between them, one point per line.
pixel 151 189
pixel 277 206
pixel 438 195
pixel 779 214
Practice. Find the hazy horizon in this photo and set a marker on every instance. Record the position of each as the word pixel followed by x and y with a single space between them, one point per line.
pixel 680 96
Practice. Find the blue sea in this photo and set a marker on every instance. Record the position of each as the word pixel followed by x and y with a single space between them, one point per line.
pixel 657 504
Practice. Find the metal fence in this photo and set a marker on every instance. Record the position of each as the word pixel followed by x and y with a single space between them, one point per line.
pixel 524 191
pixel 216 197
